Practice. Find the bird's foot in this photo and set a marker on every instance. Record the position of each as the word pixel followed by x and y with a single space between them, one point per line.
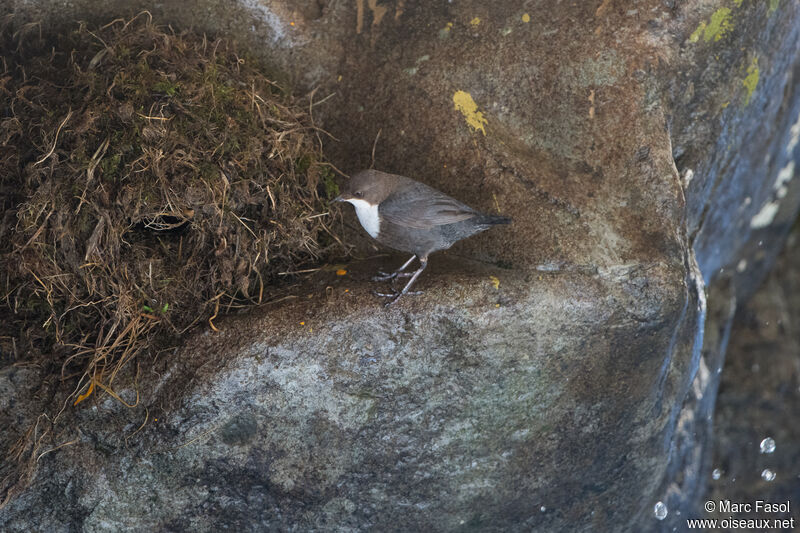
pixel 385 294
pixel 395 295
pixel 423 261
pixel 386 276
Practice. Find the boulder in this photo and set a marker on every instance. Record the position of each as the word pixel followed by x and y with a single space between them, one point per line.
pixel 556 375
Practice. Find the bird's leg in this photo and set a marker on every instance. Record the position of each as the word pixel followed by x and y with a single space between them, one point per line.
pixel 423 262
pixel 383 276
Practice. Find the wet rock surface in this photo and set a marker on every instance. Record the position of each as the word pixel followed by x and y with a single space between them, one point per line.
pixel 759 397
pixel 555 376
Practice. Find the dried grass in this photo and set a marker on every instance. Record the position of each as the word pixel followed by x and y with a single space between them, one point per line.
pixel 149 180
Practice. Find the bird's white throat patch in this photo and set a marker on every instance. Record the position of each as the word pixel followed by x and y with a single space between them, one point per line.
pixel 368 216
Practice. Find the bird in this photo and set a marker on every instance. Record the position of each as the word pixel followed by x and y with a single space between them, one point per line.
pixel 409 216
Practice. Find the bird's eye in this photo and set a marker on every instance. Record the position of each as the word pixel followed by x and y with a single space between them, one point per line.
pixel 359 194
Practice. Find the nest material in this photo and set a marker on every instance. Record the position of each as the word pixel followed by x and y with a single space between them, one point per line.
pixel 148 180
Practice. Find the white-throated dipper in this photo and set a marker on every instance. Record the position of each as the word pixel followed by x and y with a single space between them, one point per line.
pixel 410 216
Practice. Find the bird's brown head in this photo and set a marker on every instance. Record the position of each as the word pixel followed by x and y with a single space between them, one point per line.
pixel 371 186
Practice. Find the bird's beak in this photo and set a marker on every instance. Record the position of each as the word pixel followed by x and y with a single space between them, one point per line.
pixel 338 199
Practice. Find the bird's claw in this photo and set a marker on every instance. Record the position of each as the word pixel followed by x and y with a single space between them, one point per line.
pixel 395 295
pixel 384 276
pixel 386 294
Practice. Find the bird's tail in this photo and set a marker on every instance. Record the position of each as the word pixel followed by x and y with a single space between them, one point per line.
pixel 491 220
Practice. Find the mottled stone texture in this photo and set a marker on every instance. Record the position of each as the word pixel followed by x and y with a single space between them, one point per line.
pixel 554 377
pixel 736 148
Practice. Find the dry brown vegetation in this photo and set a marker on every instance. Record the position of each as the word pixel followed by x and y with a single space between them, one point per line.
pixel 149 180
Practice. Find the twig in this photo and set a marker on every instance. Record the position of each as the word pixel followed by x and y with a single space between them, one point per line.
pixel 243 224
pixel 216 312
pixel 378 136
pixel 306 271
pixel 75 441
pixel 55 141
pixel 146 417
pixel 96 158
pixel 324 99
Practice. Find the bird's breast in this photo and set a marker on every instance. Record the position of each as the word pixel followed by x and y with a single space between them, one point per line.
pixel 367 214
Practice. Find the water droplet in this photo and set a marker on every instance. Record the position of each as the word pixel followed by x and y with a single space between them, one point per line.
pixel 716 474
pixel 767 475
pixel 542 508
pixel 767 445
pixel 741 266
pixel 660 510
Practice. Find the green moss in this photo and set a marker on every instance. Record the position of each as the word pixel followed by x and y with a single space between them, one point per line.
pixel 76 189
pixel 231 146
pixel 773 5
pixel 161 309
pixel 224 93
pixel 301 164
pixel 220 91
pixel 208 171
pixel 110 165
pixel 167 87
pixel 85 223
pixel 331 188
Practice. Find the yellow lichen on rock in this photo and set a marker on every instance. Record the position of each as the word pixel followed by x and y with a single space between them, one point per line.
pixel 715 29
pixel 719 25
pixel 466 105
pixel 751 80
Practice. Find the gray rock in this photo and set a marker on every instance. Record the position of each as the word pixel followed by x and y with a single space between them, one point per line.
pixel 556 376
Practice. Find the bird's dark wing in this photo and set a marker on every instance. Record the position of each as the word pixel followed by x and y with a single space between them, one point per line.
pixel 423 207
